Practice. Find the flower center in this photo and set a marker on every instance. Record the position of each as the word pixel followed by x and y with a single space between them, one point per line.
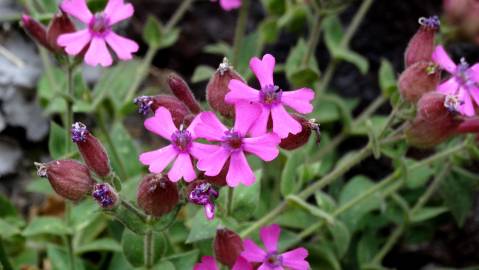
pixel 462 74
pixel 182 140
pixel 233 139
pixel 273 259
pixel 99 24
pixel 452 103
pixel 270 95
pixel 78 132
pixel 432 22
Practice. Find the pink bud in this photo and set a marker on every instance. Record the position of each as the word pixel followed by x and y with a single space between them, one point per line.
pixel 69 178
pixel 294 141
pixel 183 92
pixel 434 122
pixel 157 195
pixel 217 89
pixel 36 30
pixel 179 112
pixel 227 246
pixel 421 45
pixel 417 79
pixel 91 150
pixel 60 24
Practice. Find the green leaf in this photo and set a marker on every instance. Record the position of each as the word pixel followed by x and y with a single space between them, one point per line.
pixel 40 185
pixel 249 48
pixel 368 246
pixel 325 201
pixel 83 214
pixel 269 31
pixel 387 78
pixel 246 198
pixel 56 141
pixel 294 18
pixel 128 219
pixel 426 213
pixel 202 228
pixel 313 210
pixel 275 7
pixel 341 237
pixel 221 49
pixel 46 225
pixel 202 73
pixel 351 190
pixel 169 38
pixel 354 58
pixel 184 260
pixel 133 247
pixel 298 74
pixel 377 124
pixel 119 262
pixel 417 178
pixel 164 265
pixel 7 208
pixel 7 229
pixel 127 150
pixel 152 32
pixel 105 244
pixel 326 253
pixel 458 194
pixel 59 259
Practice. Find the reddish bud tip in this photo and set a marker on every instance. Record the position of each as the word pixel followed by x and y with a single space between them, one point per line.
pixel 227 246
pixel 183 92
pixel 433 124
pixel 294 141
pixel 217 89
pixel 105 195
pixel 418 79
pixel 157 195
pixel 91 150
pixel 179 112
pixel 36 30
pixel 60 24
pixel 469 125
pixel 421 45
pixel 69 178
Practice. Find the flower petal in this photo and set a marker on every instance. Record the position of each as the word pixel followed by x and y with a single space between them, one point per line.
pixel 207 263
pixel 230 4
pixel 182 167
pixel 467 108
pixel 263 69
pixel 240 91
pixel 270 237
pixel 201 150
pixel 448 87
pixel 117 11
pixel 239 170
pixel 295 259
pixel 283 123
pixel 299 100
pixel 213 163
pixel 158 159
pixel 210 127
pixel 74 42
pixel 264 146
pixel 161 124
pixel 260 126
pixel 266 267
pixel 474 92
pixel 252 252
pixel 440 57
pixel 98 53
pixel 245 115
pixel 123 47
pixel 192 126
pixel 78 9
pixel 242 264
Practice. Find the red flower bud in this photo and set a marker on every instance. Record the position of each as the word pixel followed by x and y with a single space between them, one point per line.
pixel 227 246
pixel 183 92
pixel 36 30
pixel 217 89
pixel 91 150
pixel 157 195
pixel 60 24
pixel 203 193
pixel 421 45
pixel 294 141
pixel 69 178
pixel 434 121
pixel 455 9
pixel 417 79
pixel 105 195
pixel 469 125
pixel 179 112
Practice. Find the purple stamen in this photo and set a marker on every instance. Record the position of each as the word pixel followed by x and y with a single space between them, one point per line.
pixel 99 24
pixel 270 95
pixel 233 139
pixel 144 104
pixel 462 74
pixel 182 140
pixel 204 194
pixel 432 22
pixel 79 132
pixel 103 194
pixel 273 259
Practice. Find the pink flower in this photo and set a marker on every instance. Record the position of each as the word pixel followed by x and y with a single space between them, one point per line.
pixel 209 263
pixel 271 259
pixel 233 144
pixel 179 151
pixel 98 33
pixel 463 84
pixel 272 99
pixel 229 4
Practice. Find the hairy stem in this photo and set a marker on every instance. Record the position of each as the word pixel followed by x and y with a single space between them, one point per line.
pixel 149 250
pixel 229 201
pixel 240 31
pixel 313 40
pixel 141 74
pixel 69 238
pixel 179 13
pixel 135 210
pixel 69 109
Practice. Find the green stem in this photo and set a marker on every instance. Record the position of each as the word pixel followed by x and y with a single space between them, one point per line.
pixel 148 251
pixel 69 109
pixel 229 201
pixel 113 148
pixel 313 40
pixel 4 261
pixel 179 13
pixel 69 238
pixel 240 31
pixel 393 238
pixel 135 210
pixel 141 74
